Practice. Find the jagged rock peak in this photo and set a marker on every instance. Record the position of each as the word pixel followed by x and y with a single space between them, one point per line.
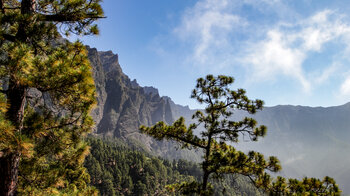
pixel 110 61
pixel 150 90
pixel 108 54
pixel 134 84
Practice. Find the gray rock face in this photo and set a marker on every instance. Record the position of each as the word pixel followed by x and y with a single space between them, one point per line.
pixel 99 78
pixel 150 90
pixel 123 105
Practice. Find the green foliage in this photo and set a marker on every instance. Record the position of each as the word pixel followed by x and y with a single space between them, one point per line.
pixel 221 159
pixel 120 169
pixel 7 134
pixel 307 186
pixel 56 117
pixel 49 94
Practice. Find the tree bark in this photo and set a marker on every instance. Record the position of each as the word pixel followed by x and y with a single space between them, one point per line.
pixel 206 163
pixel 28 6
pixel 9 160
pixel 205 180
pixel 9 173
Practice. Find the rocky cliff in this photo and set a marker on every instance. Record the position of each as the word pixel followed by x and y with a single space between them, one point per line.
pixel 123 105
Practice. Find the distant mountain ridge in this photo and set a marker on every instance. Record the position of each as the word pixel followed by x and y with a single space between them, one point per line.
pixel 309 141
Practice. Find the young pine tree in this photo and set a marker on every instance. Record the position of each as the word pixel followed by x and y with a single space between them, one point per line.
pixel 217 129
pixel 47 94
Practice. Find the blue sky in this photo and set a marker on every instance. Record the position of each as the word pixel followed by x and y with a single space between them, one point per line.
pixel 281 51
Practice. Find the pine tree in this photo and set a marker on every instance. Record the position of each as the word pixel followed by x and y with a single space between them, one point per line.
pixel 221 158
pixel 48 92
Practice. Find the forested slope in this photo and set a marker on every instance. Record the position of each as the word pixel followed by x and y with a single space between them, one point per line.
pixel 118 168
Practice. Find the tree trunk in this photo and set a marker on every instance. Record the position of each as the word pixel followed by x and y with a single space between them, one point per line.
pixel 205 180
pixel 9 160
pixel 9 174
pixel 16 99
pixel 28 6
pixel 206 173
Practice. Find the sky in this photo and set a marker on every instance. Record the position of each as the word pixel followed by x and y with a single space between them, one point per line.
pixel 293 52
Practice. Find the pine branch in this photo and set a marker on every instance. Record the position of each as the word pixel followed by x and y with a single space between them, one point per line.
pixel 64 124
pixel 8 37
pixel 67 17
pixel 11 8
pixel 184 140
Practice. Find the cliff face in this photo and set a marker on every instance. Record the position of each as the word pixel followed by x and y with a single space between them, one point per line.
pixel 123 105
pixel 99 78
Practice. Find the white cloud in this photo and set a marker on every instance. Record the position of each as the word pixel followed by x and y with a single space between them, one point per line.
pixel 268 51
pixel 345 88
pixel 273 56
pixel 286 48
pixel 320 29
pixel 207 26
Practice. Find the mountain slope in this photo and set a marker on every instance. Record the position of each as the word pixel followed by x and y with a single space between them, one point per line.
pixel 123 105
pixel 309 141
pixel 116 169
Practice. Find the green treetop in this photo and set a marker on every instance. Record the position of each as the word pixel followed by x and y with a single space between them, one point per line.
pixel 220 158
pixel 48 92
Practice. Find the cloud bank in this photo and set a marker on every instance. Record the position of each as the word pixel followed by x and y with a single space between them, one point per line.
pixel 221 36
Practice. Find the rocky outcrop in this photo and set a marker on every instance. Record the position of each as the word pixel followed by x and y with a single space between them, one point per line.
pixel 123 105
pixel 127 105
pixel 99 78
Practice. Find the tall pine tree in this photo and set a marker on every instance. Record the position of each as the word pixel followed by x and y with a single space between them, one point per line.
pixel 47 93
pixel 219 158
